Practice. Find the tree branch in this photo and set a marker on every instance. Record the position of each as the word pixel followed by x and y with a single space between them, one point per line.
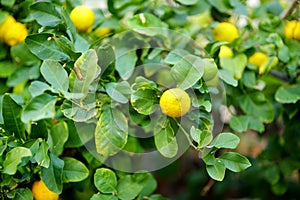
pixel 288 11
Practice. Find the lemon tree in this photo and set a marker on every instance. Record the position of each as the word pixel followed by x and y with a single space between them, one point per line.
pixel 119 99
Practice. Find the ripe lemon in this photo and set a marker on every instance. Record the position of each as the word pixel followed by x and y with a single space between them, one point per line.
pixel 4 26
pixel 225 31
pixel 41 192
pixel 83 18
pixel 102 31
pixel 210 69
pixel 225 52
pixel 16 33
pixel 258 59
pixel 175 102
pixel 292 30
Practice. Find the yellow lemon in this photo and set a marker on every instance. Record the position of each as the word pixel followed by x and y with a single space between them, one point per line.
pixel 260 60
pixel 225 31
pixel 102 31
pixel 41 192
pixel 175 102
pixel 16 33
pixel 210 69
pixel 292 30
pixel 225 52
pixel 83 18
pixel 4 26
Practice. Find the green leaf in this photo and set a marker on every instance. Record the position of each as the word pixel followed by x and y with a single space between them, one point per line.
pixel 119 92
pixel 239 123
pixel 146 23
pixel 125 64
pixel 272 174
pixel 249 79
pixel 22 56
pixel 128 187
pixel 256 124
pixel 288 94
pixel 202 137
pixel 234 161
pixel 11 112
pixel 188 71
pixel 145 100
pixel 149 184
pixel 74 170
pixel 45 13
pixel 175 56
pixel 8 3
pixel 23 194
pixel 164 139
pixel 56 75
pixel 37 88
pixel 226 76
pixel 255 103
pixel 225 140
pixel 87 70
pixel 111 132
pixel 59 136
pixel 44 47
pixel 14 158
pixel 235 65
pixel 216 171
pixel 103 197
pixel 7 68
pixel 22 74
pixel 105 181
pixel 41 156
pixel 39 107
pixel 187 2
pixel 52 176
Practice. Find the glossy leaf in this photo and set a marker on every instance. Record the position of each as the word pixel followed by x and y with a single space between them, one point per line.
pixel 59 136
pixel 104 197
pixel 125 64
pixel 23 194
pixel 128 187
pixel 105 181
pixel 11 113
pixel 225 140
pixel 119 92
pixel 239 123
pixel 74 170
pixel 52 176
pixel 111 132
pixel 55 74
pixel 188 71
pixel 288 94
pixel 41 156
pixel 45 13
pixel 234 161
pixel 39 107
pixel 165 140
pixel 44 47
pixel 216 171
pixel 14 158
pixel 202 137
pixel 145 100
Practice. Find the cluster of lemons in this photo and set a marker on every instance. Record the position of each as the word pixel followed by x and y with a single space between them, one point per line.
pixel 12 32
pixel 83 19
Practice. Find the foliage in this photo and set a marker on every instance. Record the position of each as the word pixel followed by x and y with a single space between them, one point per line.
pixel 81 112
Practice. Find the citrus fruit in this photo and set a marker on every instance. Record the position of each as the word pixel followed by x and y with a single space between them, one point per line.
pixel 210 69
pixel 292 30
pixel 258 59
pixel 102 31
pixel 225 52
pixel 4 26
pixel 175 102
pixel 16 33
pixel 41 192
pixel 225 31
pixel 83 18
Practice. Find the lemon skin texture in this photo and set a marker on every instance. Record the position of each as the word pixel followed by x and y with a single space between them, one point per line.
pixel 100 32
pixel 4 26
pixel 292 30
pixel 41 192
pixel 225 52
pixel 210 69
pixel 83 18
pixel 16 33
pixel 175 102
pixel 225 31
